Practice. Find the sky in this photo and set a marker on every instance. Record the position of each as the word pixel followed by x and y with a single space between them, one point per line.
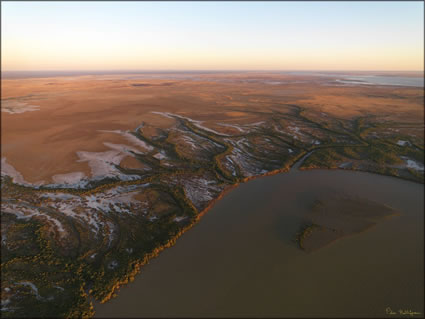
pixel 212 35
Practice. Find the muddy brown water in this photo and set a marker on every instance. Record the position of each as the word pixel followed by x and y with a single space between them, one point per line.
pixel 240 260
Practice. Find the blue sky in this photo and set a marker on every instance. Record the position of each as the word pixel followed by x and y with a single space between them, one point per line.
pixel 212 35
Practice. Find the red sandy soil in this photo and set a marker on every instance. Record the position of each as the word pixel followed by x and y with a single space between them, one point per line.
pixel 72 110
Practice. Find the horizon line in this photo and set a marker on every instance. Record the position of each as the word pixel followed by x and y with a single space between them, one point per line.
pixel 22 74
pixel 208 70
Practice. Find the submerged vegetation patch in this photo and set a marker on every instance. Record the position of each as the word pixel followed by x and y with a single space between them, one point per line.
pixel 339 216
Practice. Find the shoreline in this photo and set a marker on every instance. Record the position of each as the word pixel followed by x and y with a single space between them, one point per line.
pixel 231 187
pixel 362 171
pixel 137 265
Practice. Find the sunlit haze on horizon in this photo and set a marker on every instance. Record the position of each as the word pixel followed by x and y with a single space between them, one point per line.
pixel 212 36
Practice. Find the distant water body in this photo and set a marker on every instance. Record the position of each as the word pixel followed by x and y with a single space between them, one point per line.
pixel 368 79
pixel 383 80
